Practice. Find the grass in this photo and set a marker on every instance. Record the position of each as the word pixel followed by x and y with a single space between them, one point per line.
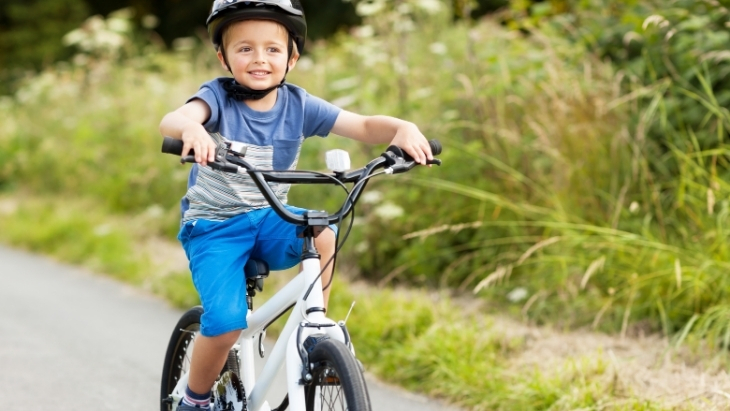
pixel 82 233
pixel 430 347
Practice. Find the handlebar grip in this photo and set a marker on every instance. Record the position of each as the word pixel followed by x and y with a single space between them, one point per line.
pixel 173 146
pixel 434 144
pixel 435 147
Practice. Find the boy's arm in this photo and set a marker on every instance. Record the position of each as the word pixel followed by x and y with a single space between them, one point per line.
pixel 186 124
pixel 384 129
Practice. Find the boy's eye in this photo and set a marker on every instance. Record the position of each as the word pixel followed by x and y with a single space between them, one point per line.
pixel 273 49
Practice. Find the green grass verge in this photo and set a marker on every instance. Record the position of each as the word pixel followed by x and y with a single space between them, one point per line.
pixel 430 346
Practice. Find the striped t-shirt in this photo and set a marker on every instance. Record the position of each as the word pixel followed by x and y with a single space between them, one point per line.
pixel 273 139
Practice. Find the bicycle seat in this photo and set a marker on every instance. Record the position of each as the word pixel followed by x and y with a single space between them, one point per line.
pixel 255 269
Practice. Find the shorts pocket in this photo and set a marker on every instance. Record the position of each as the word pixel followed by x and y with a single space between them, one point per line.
pixel 193 229
pixel 184 233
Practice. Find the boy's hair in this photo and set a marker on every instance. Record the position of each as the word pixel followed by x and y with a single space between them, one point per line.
pixel 288 13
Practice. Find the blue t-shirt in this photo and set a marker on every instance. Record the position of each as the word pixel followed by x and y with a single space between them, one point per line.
pixel 273 139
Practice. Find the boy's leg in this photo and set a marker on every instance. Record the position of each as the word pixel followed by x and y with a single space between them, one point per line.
pixel 325 244
pixel 217 252
pixel 209 356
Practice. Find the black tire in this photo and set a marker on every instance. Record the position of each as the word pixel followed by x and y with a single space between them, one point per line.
pixel 338 382
pixel 179 351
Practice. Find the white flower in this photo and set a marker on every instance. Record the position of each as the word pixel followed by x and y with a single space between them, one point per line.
pixel 404 25
pixel 305 64
pixel 369 8
pixel 361 247
pixel 655 19
pixel 404 8
pixel 371 197
pixel 150 21
pixel 154 211
pixel 118 25
pixel 74 37
pixel 438 48
pixel 183 43
pixel 517 295
pixel 430 6
pixel 423 92
pixel 364 31
pixel 345 83
pixel 344 101
pixel 102 230
pixel 633 207
pixel 388 211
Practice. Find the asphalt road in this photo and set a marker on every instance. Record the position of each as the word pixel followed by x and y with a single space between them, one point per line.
pixel 72 340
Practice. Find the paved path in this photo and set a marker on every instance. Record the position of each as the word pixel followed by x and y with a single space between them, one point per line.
pixel 70 340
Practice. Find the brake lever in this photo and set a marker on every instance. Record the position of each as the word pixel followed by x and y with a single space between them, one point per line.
pixel 215 165
pixel 400 164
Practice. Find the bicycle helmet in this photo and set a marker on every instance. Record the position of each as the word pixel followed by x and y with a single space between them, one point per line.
pixel 288 13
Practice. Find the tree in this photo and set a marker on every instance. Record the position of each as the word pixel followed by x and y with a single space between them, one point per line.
pixel 31 30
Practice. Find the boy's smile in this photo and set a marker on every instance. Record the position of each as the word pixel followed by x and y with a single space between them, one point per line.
pixel 257 53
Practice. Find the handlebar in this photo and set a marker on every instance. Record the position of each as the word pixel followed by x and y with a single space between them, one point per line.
pixel 394 160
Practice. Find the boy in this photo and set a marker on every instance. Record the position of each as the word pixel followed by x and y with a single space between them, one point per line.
pixel 225 219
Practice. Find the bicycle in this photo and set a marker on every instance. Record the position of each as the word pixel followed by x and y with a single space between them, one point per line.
pixel 321 369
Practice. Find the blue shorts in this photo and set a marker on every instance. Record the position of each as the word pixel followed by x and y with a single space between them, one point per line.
pixel 218 250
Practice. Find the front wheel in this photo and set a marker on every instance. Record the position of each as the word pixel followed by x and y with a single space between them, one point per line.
pixel 179 352
pixel 338 382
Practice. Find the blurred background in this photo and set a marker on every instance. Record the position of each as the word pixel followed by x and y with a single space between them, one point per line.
pixel 584 183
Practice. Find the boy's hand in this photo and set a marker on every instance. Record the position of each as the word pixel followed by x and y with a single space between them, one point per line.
pixel 195 138
pixel 186 124
pixel 409 138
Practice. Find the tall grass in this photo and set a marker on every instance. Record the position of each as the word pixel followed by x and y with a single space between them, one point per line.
pixel 553 201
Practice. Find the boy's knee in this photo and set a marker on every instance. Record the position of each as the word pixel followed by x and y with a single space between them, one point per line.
pixel 326 240
pixel 225 340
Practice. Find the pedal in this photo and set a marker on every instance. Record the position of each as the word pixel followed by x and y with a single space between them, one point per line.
pixel 228 394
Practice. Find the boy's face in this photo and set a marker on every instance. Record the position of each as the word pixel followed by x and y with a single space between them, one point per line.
pixel 257 52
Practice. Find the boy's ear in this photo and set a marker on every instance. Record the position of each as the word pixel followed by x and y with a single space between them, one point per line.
pixel 222 60
pixel 293 60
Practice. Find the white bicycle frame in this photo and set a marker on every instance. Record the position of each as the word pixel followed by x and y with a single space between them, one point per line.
pixel 287 346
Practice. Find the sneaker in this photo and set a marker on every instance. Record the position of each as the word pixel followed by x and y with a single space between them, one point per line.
pixel 185 407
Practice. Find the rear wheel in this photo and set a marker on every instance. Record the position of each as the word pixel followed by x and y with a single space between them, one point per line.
pixel 179 352
pixel 338 382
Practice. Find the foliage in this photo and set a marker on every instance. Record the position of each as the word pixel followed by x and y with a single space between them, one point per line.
pixel 677 48
pixel 29 33
pixel 559 203
pixel 167 23
pixel 433 347
pixel 553 202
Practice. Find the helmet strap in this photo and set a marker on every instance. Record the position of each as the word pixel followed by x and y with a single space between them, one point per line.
pixel 240 92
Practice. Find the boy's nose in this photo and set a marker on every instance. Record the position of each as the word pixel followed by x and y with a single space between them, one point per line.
pixel 259 56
